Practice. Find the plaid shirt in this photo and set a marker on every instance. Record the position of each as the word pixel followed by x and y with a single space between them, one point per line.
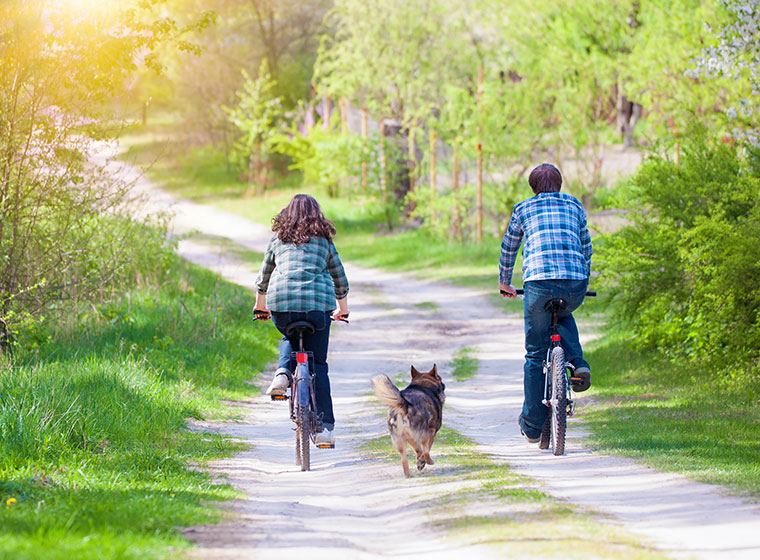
pixel 306 277
pixel 557 242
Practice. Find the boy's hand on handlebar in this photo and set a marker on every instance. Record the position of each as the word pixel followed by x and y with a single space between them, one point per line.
pixel 261 314
pixel 507 291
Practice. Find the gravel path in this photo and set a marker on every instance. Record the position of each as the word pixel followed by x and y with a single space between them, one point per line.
pixel 350 507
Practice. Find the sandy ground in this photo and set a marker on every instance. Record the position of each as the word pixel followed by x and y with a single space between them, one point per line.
pixel 352 507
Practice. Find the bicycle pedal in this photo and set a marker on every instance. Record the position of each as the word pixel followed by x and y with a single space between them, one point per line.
pixel 326 446
pixel 279 397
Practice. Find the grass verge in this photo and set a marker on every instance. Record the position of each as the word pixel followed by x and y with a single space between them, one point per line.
pixel 95 460
pixel 674 417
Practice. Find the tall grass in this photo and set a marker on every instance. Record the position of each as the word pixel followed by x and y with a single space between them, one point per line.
pixel 95 460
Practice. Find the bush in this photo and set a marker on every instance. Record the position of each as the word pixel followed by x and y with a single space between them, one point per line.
pixel 685 275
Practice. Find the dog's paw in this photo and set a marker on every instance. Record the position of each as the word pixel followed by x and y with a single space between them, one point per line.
pixel 420 464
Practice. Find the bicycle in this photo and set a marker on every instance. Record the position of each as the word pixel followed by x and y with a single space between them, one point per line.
pixel 303 403
pixel 558 382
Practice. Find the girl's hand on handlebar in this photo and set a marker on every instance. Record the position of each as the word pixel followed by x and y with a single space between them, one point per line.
pixel 261 314
pixel 341 316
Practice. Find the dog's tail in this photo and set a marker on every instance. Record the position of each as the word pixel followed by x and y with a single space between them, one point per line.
pixel 387 392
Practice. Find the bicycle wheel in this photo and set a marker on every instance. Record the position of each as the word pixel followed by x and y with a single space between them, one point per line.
pixel 558 401
pixel 302 437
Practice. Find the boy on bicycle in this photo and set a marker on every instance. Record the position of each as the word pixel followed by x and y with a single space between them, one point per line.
pixel 556 264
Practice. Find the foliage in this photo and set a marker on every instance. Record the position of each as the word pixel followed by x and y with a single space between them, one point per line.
pixel 67 226
pixel 737 57
pixel 94 450
pixel 256 117
pixel 685 275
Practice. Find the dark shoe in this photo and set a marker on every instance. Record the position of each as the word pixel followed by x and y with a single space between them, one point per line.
pixel 530 439
pixel 580 379
pixel 546 434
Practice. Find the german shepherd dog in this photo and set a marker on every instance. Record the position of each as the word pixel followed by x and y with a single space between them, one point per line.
pixel 415 413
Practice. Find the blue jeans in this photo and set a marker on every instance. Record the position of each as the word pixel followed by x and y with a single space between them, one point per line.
pixel 537 323
pixel 316 344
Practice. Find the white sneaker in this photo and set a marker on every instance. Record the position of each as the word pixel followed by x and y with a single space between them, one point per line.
pixel 280 382
pixel 325 439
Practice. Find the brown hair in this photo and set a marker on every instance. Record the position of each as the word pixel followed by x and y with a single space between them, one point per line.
pixel 545 178
pixel 301 220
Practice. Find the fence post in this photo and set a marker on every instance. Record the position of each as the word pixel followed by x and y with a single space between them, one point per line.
pixel 455 187
pixel 365 116
pixel 412 157
pixel 383 164
pixel 480 159
pixel 432 177
pixel 344 115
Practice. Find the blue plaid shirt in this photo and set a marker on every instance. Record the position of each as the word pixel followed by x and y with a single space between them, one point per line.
pixel 557 242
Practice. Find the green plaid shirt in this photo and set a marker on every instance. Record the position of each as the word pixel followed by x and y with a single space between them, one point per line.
pixel 306 277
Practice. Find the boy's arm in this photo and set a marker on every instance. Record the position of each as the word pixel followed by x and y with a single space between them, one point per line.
pixel 510 244
pixel 586 248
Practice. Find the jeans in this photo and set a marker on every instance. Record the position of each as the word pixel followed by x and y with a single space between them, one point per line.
pixel 316 344
pixel 537 323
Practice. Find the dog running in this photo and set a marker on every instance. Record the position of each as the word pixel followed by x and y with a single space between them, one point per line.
pixel 415 413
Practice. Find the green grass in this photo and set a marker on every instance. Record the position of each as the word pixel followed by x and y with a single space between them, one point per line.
pixel 675 417
pixel 482 502
pixel 95 460
pixel 464 366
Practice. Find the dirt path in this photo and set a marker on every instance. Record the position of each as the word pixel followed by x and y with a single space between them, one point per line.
pixel 351 507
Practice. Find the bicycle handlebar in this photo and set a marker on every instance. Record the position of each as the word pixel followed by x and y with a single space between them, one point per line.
pixel 259 315
pixel 521 292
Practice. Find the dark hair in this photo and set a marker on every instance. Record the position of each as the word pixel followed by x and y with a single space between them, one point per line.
pixel 301 220
pixel 545 178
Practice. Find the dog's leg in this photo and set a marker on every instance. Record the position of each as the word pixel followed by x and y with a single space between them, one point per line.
pixel 401 448
pixel 420 451
pixel 427 446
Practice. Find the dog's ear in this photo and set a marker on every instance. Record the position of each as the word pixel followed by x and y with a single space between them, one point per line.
pixel 415 373
pixel 434 371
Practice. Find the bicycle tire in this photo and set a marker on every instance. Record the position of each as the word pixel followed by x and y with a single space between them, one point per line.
pixel 302 437
pixel 558 401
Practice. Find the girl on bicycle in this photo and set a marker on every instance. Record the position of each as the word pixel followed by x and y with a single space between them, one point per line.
pixel 300 279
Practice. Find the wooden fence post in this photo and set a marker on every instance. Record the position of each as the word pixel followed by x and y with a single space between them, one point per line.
pixel 412 157
pixel 383 164
pixel 480 193
pixel 365 118
pixel 344 115
pixel 455 187
pixel 480 159
pixel 432 176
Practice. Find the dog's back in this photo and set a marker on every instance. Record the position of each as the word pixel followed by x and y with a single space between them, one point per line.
pixel 415 413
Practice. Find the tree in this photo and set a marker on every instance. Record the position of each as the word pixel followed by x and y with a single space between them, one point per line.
pixel 66 230
pixel 256 116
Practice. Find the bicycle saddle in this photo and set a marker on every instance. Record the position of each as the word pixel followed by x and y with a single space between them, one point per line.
pixel 557 305
pixel 299 326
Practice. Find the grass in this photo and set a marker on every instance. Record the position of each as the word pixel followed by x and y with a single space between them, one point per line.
pixel 674 417
pixel 482 502
pixel 464 366
pixel 95 460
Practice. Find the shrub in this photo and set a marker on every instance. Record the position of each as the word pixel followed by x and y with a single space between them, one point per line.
pixel 685 274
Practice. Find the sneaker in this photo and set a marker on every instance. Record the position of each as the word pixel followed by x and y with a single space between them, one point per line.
pixel 530 439
pixel 580 379
pixel 280 382
pixel 325 439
